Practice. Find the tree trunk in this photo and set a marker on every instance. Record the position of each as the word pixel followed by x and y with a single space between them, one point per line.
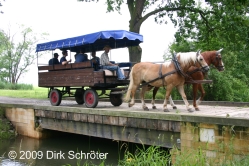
pixel 135 54
pixel 135 9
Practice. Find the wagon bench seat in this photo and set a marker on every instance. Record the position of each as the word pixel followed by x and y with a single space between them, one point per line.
pixel 86 64
pixel 112 73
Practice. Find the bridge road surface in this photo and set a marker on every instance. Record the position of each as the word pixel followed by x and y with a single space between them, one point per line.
pixel 237 110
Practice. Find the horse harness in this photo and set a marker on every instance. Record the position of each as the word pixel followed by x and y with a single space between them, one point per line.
pixel 220 66
pixel 161 76
pixel 200 70
pixel 178 69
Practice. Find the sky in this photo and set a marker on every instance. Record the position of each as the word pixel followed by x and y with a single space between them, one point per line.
pixel 69 18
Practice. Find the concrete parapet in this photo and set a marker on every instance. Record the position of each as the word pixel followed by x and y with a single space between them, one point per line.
pixel 23 120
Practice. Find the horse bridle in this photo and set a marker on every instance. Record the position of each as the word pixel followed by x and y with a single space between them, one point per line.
pixel 220 66
pixel 203 68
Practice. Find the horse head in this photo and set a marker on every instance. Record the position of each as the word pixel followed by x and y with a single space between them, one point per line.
pixel 217 61
pixel 201 62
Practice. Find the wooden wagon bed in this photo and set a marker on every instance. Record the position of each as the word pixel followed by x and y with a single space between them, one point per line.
pixel 77 75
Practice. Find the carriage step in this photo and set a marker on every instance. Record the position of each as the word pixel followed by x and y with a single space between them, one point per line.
pixel 118 92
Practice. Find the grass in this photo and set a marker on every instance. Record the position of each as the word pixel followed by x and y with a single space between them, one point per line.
pixel 152 155
pixel 156 156
pixel 36 92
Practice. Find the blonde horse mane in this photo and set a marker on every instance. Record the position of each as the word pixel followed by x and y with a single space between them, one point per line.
pixel 185 58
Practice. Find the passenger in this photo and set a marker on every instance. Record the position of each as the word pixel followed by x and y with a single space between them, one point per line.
pixel 81 56
pixel 63 60
pixel 95 60
pixel 54 60
pixel 106 64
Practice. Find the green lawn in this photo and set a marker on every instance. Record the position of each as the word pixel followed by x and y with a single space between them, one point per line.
pixel 37 93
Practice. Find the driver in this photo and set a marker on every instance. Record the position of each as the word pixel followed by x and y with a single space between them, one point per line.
pixel 106 64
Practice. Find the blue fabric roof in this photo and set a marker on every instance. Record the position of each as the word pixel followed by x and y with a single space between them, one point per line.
pixel 94 41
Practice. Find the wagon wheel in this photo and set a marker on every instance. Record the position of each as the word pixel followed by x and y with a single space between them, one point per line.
pixel 91 98
pixel 55 97
pixel 79 94
pixel 116 99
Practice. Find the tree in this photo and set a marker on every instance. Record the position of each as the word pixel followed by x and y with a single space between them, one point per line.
pixel 141 10
pixel 227 27
pixel 17 53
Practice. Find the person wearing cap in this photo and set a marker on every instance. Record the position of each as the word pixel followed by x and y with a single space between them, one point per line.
pixel 63 59
pixel 106 64
pixel 54 60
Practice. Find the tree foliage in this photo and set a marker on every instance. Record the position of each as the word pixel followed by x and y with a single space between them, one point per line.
pixel 141 10
pixel 228 28
pixel 17 53
pixel 205 25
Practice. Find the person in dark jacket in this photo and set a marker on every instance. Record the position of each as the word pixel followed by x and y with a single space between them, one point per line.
pixel 63 60
pixel 54 60
pixel 95 61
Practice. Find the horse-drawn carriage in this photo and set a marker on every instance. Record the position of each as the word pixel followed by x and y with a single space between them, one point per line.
pixel 80 80
pixel 84 81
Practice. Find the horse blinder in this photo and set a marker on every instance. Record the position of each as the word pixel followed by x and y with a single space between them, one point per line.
pixel 220 67
pixel 205 69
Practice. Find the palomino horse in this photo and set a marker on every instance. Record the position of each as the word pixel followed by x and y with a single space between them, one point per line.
pixel 211 57
pixel 171 74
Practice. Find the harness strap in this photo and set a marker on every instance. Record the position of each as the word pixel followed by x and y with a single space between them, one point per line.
pixel 160 77
pixel 178 67
pixel 160 71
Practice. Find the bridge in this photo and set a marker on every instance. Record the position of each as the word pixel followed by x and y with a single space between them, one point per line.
pixel 216 122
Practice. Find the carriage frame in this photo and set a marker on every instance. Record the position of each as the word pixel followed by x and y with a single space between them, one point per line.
pixel 81 80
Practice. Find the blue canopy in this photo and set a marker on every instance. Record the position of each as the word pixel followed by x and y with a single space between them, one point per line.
pixel 94 41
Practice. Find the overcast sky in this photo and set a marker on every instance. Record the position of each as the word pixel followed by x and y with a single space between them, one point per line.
pixel 69 18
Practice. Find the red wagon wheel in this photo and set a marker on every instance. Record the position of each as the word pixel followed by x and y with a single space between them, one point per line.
pixel 79 96
pixel 55 97
pixel 116 99
pixel 91 98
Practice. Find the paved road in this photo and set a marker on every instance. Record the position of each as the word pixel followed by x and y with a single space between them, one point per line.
pixel 236 110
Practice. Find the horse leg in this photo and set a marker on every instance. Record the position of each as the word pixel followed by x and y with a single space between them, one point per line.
pixel 195 88
pixel 133 92
pixel 167 95
pixel 153 97
pixel 181 91
pixel 144 88
pixel 172 103
pixel 201 89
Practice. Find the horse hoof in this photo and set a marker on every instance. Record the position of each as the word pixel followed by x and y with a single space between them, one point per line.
pixel 146 109
pixel 154 107
pixel 174 107
pixel 197 109
pixel 190 110
pixel 165 110
pixel 130 105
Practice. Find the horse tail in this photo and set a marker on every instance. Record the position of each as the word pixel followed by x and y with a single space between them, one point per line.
pixel 128 94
